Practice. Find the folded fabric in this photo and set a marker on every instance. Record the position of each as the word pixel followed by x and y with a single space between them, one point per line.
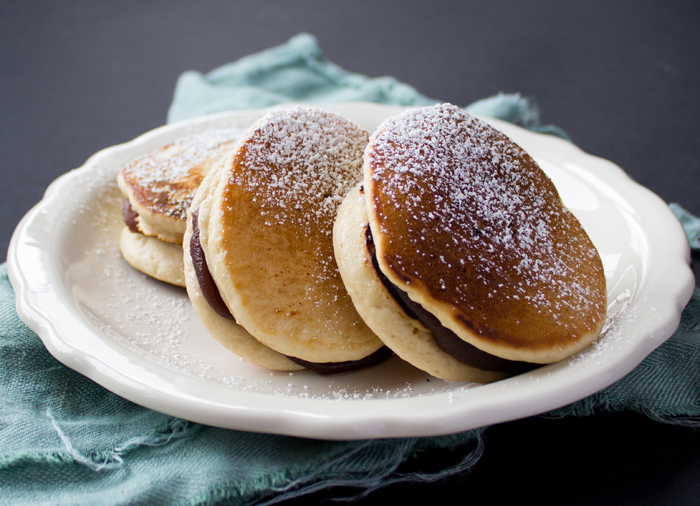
pixel 298 72
pixel 66 440
pixel 293 72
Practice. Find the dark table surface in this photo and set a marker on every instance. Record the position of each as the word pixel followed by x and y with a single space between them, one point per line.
pixel 622 78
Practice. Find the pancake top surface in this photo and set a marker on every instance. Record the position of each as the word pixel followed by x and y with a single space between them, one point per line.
pixel 163 182
pixel 301 160
pixel 276 210
pixel 467 223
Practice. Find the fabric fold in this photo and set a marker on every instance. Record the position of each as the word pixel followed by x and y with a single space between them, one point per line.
pixel 295 71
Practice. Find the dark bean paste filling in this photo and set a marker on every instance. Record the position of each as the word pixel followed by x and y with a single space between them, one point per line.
pixel 329 368
pixel 446 340
pixel 201 269
pixel 213 297
pixel 129 216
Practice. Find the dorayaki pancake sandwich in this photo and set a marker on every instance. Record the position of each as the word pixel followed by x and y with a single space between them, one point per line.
pixel 261 251
pixel 206 298
pixel 458 252
pixel 158 188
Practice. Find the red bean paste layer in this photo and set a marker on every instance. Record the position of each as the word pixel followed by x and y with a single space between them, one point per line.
pixel 213 297
pixel 446 339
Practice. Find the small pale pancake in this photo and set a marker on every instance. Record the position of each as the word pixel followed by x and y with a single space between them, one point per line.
pixel 158 259
pixel 466 223
pixel 231 335
pixel 269 235
pixel 161 184
pixel 407 337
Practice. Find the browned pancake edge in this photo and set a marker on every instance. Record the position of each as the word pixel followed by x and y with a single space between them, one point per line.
pixel 472 229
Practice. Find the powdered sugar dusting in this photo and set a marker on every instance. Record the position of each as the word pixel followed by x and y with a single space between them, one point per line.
pixel 302 159
pixel 476 209
pixel 155 322
pixel 171 174
pixel 613 339
pixel 145 323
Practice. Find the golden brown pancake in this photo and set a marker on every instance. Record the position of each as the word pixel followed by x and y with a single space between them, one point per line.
pixel 159 259
pixel 161 184
pixel 158 188
pixel 404 334
pixel 466 224
pixel 266 231
pixel 225 330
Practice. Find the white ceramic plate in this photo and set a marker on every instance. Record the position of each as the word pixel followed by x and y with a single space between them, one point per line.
pixel 140 338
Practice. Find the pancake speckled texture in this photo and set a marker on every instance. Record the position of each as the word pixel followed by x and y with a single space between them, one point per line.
pixel 266 230
pixel 159 187
pixel 406 336
pixel 470 227
pixel 231 335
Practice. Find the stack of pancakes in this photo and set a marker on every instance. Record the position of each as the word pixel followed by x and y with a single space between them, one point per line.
pixel 313 245
pixel 158 188
pixel 264 221
pixel 459 253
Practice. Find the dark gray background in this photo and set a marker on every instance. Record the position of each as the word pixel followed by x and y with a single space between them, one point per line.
pixel 621 77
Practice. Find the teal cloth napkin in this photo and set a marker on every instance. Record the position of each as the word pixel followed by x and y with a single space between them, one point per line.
pixel 298 72
pixel 66 440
